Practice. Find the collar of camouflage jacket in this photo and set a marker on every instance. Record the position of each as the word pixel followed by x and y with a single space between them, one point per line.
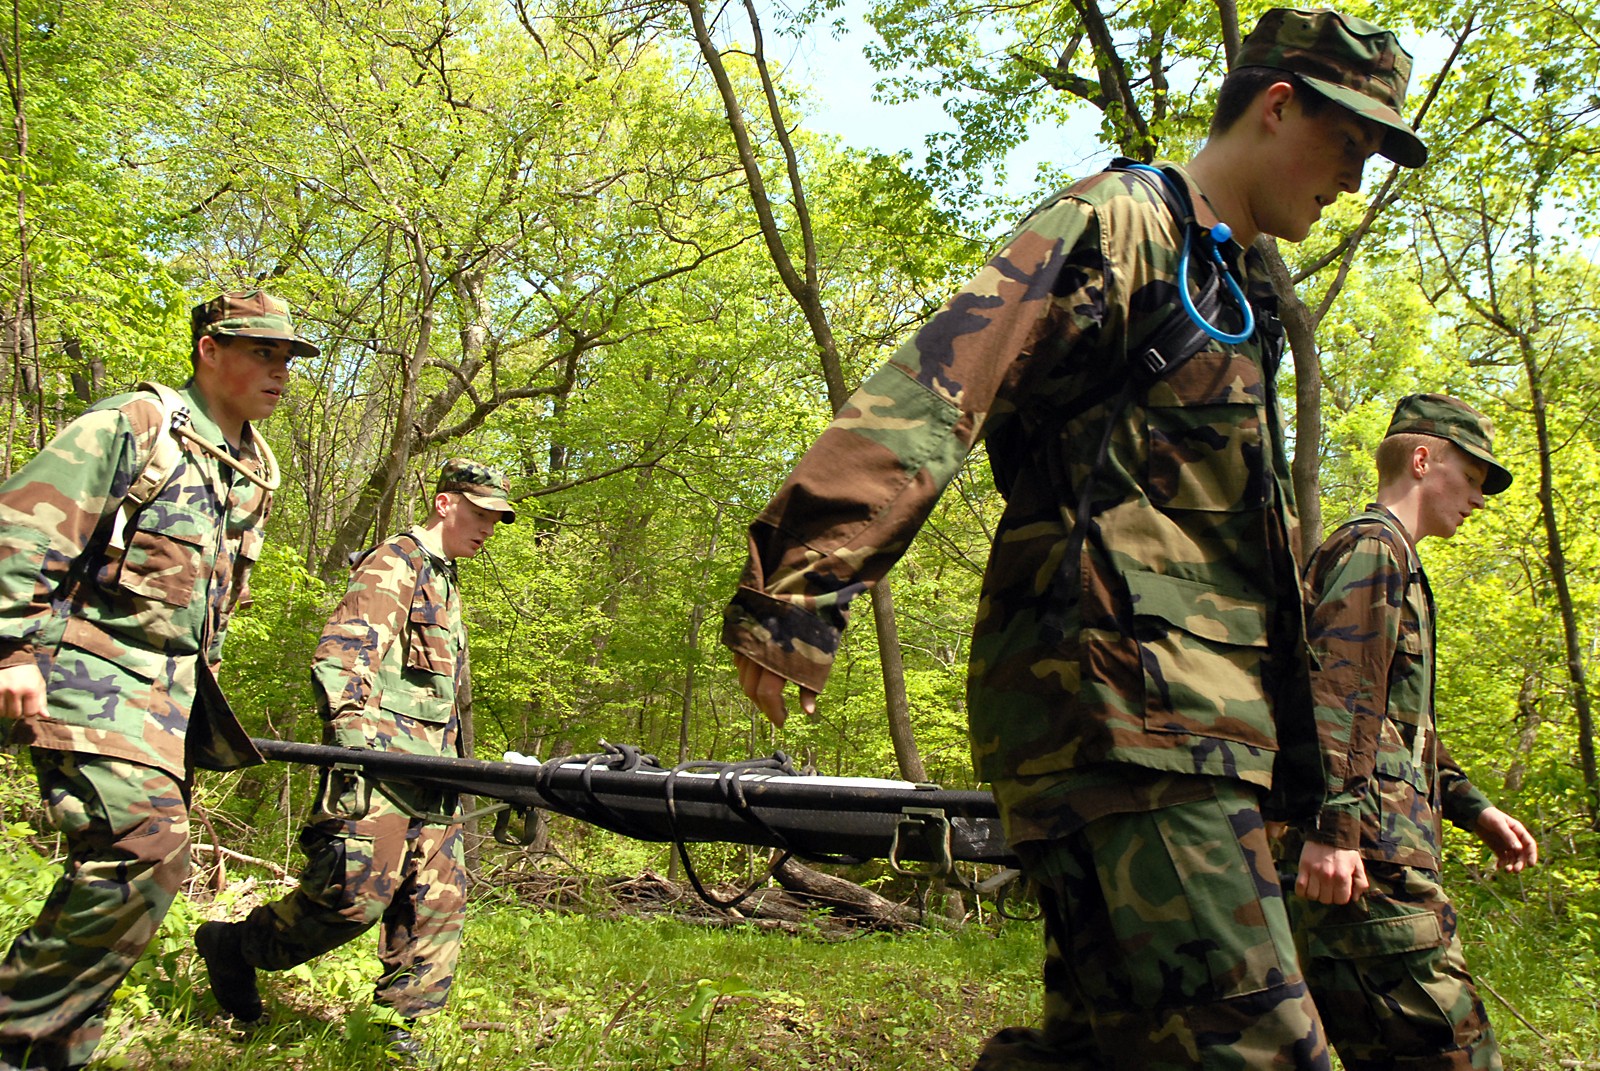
pixel 431 541
pixel 1232 251
pixel 1394 522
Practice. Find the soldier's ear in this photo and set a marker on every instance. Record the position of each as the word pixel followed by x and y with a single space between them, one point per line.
pixel 1273 105
pixel 441 504
pixel 1421 456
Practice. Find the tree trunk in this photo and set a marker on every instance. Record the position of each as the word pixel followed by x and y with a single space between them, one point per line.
pixel 844 897
pixel 696 620
pixel 894 686
pixel 1529 719
pixel 1556 560
pixel 1300 326
pixel 807 294
pixel 22 340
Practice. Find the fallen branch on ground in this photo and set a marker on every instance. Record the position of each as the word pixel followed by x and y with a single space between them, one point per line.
pixel 240 857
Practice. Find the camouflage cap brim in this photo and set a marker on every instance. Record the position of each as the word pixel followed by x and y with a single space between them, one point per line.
pixel 483 485
pixel 1400 142
pixel 297 346
pixel 507 514
pixel 1498 477
pixel 248 314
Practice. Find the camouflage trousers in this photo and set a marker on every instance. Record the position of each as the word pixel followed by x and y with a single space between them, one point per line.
pixel 126 831
pixel 1167 948
pixel 1390 979
pixel 386 868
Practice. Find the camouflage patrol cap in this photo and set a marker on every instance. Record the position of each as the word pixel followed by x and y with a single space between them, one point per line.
pixel 1349 60
pixel 480 484
pixel 1450 418
pixel 247 314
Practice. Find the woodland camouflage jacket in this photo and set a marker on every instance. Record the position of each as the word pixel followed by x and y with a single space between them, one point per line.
pixel 117 633
pixel 1370 624
pixel 1185 616
pixel 393 656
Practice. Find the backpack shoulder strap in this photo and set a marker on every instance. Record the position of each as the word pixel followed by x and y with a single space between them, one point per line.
pixel 1178 337
pixel 177 411
pixel 406 544
pixel 1152 356
pixel 165 454
pixel 415 553
pixel 1382 527
pixel 167 451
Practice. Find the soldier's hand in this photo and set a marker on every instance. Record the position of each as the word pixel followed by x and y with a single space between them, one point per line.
pixel 21 692
pixel 1330 875
pixel 765 689
pixel 1509 839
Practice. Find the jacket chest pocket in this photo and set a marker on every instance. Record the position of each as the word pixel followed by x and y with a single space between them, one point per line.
pixel 246 552
pixel 1408 714
pixel 1205 425
pixel 169 554
pixel 1405 814
pixel 428 646
pixel 427 691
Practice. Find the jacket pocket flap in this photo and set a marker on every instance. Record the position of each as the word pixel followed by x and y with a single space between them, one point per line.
pixel 1377 937
pixel 1199 609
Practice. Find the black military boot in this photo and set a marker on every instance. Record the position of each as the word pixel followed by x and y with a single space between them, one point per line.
pixel 407 1050
pixel 233 981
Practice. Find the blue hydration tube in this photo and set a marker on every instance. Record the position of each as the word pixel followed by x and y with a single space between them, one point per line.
pixel 1218 234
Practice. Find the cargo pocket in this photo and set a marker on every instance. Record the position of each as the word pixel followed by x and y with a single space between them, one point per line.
pixel 1383 936
pixel 100 683
pixel 423 697
pixel 324 880
pixel 1385 978
pixel 1203 654
pixel 1204 427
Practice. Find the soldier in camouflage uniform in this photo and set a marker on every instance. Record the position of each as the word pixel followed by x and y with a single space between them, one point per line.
pixel 1125 691
pixel 113 609
pixel 390 667
pixel 1377 934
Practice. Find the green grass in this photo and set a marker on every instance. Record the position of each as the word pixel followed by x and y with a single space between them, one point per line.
pixel 1534 948
pixel 542 990
pixel 538 989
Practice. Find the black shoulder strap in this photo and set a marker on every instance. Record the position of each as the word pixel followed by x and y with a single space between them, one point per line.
pixel 1178 337
pixel 1150 358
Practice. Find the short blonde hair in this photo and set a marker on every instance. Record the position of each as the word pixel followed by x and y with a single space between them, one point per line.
pixel 1395 452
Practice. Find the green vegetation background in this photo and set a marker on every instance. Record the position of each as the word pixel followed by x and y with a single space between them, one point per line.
pixel 521 232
